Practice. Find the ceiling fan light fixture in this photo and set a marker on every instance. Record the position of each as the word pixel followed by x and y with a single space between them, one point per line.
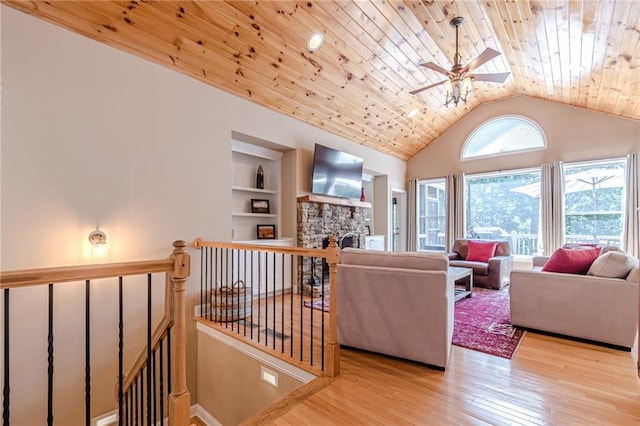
pixel 458 84
pixel 315 40
pixel 457 89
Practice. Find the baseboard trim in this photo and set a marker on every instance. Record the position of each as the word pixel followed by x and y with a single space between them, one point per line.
pixel 204 416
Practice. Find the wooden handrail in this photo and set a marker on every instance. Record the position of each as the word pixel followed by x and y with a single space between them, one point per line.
pixel 295 251
pixel 41 276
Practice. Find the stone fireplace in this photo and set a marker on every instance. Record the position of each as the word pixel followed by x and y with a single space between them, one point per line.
pixel 317 221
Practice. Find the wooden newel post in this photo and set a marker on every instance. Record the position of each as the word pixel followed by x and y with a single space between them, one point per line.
pixel 333 347
pixel 179 400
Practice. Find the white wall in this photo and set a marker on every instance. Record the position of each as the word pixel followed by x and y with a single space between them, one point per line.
pixel 573 134
pixel 94 136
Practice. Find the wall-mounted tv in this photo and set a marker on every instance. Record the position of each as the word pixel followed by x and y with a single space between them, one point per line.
pixel 336 173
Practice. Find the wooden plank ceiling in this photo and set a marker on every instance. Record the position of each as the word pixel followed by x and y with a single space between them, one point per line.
pixel 582 53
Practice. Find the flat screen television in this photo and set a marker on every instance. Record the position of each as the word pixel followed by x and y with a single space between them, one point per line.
pixel 336 173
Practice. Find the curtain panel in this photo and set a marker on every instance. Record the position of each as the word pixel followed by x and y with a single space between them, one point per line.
pixel 630 228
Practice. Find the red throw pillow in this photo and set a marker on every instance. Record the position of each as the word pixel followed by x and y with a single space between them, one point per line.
pixel 481 251
pixel 571 261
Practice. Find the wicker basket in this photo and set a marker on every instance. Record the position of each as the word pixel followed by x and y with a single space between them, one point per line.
pixel 232 303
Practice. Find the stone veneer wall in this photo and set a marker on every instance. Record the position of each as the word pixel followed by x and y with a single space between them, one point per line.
pixel 317 221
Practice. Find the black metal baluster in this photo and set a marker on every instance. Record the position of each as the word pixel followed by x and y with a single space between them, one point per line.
pixel 6 389
pixel 214 282
pixel 247 293
pixel 120 352
pixel 274 301
pixel 125 411
pixel 259 316
pixel 232 319
pixel 141 376
pixel 311 315
pixel 229 282
pixel 282 304
pixel 322 316
pixel 311 259
pixel 50 360
pixel 161 382
pixel 87 352
pixel 266 299
pixel 209 286
pixel 169 362
pixel 203 277
pixel 252 284
pixel 155 386
pixel 135 400
pixel 148 349
pixel 291 302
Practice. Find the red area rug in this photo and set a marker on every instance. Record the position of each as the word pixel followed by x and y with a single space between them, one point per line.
pixel 483 323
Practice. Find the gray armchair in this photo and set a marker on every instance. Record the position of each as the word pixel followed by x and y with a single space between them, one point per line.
pixel 493 274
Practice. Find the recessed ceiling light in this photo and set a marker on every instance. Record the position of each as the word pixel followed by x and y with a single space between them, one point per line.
pixel 413 113
pixel 314 41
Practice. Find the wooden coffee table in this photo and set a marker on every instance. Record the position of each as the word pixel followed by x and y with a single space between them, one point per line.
pixel 458 274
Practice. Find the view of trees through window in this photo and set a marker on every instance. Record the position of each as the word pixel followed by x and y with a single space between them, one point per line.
pixel 505 206
pixel 431 214
pixel 594 202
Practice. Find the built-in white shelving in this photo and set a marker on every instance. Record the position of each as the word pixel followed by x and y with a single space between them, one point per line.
pixel 246 158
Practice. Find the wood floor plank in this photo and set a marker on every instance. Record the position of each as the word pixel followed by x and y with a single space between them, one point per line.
pixel 549 381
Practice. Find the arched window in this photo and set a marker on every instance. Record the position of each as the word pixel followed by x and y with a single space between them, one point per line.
pixel 503 135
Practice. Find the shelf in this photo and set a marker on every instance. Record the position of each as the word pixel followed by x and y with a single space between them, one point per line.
pixel 349 202
pixel 256 190
pixel 242 214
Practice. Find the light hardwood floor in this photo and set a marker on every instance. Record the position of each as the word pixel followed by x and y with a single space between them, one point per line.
pixel 549 381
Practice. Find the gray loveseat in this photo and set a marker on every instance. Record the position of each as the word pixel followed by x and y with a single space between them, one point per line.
pixel 583 306
pixel 398 304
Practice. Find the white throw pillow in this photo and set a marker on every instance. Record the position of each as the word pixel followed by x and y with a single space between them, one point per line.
pixel 612 264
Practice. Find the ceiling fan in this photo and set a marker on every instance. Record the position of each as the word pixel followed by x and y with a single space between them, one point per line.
pixel 458 82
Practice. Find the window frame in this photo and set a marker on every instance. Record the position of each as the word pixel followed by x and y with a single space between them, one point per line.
pixel 424 218
pixel 486 123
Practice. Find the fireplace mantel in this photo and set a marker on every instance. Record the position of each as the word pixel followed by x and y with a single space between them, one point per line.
pixel 323 199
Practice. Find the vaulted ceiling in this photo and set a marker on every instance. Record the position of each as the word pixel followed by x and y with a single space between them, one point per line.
pixel 582 53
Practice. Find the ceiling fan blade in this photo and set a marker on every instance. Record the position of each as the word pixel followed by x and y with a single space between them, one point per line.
pixel 436 68
pixel 415 92
pixel 485 56
pixel 495 78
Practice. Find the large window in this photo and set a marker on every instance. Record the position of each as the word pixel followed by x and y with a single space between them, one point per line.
pixel 505 206
pixel 594 202
pixel 431 214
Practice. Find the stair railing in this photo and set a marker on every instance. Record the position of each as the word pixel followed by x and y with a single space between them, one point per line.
pixel 134 405
pixel 264 294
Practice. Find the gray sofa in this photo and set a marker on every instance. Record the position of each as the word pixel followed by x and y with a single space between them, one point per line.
pixel 398 304
pixel 587 307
